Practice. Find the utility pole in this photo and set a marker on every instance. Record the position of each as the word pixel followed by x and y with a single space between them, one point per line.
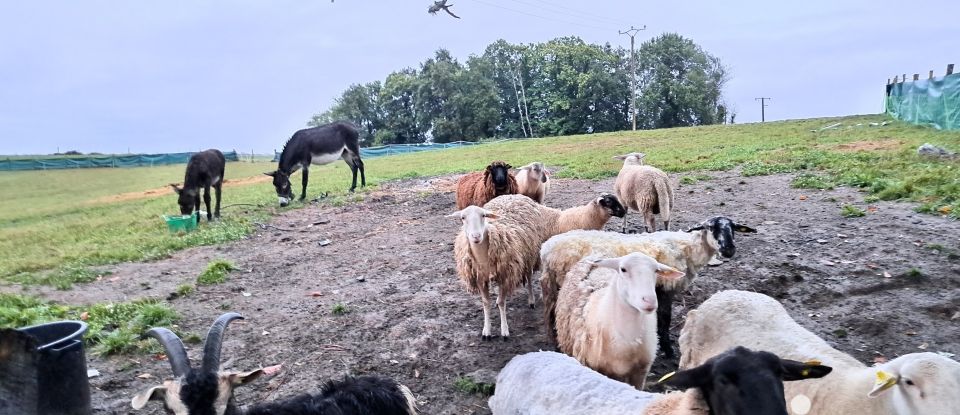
pixel 763 107
pixel 633 74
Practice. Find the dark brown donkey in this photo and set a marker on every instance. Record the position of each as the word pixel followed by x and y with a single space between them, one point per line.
pixel 204 169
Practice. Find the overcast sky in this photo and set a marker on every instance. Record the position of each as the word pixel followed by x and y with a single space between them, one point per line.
pixel 179 75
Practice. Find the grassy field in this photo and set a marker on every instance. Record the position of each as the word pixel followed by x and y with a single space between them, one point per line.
pixel 53 224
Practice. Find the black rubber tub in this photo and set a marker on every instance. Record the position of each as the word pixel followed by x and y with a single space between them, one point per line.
pixel 59 369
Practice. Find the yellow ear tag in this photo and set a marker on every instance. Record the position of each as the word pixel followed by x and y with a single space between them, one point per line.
pixel 667 376
pixel 812 363
pixel 883 378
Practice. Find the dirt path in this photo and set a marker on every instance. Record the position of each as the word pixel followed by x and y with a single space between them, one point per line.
pixel 410 319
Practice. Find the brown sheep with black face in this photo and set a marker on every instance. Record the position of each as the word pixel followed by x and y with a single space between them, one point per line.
pixel 478 188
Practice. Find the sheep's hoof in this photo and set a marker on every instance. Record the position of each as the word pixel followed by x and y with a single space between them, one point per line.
pixel 485 337
pixel 533 306
pixel 504 338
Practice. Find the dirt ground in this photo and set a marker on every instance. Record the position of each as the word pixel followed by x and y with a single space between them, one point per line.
pixel 409 318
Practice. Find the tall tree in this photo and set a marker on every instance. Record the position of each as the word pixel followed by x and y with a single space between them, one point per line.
pixel 680 83
pixel 360 104
pixel 401 122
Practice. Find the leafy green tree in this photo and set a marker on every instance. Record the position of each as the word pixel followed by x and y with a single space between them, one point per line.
pixel 401 123
pixel 680 84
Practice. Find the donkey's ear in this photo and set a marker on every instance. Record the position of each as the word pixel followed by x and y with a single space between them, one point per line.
pixel 176 188
pixel 271 173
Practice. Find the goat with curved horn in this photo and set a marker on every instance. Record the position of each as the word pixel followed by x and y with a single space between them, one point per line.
pixel 211 347
pixel 208 391
pixel 176 353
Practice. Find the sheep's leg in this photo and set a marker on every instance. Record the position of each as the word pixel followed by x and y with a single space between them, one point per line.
pixel 648 221
pixel 531 297
pixel 502 305
pixel 623 229
pixel 664 311
pixel 485 298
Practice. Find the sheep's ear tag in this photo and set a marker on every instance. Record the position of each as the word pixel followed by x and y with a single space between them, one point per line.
pixel 806 372
pixel 884 381
pixel 667 376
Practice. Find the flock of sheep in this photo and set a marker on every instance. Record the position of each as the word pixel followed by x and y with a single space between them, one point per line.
pixel 607 303
pixel 607 300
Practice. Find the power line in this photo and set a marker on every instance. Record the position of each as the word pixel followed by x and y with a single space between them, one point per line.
pixel 763 107
pixel 581 12
pixel 558 9
pixel 538 16
pixel 632 31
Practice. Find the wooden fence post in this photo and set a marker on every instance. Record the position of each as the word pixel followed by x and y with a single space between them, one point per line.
pixel 950 69
pixel 916 77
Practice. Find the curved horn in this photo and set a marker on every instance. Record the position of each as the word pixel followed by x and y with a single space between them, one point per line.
pixel 211 347
pixel 176 354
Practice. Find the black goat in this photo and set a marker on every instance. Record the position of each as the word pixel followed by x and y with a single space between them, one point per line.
pixel 319 145
pixel 743 381
pixel 207 391
pixel 205 169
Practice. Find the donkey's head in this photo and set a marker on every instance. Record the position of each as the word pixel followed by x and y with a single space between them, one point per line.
pixel 194 391
pixel 281 182
pixel 498 172
pixel 186 198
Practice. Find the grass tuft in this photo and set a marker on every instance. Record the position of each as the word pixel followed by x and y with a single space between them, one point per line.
pixel 339 309
pixel 851 211
pixel 113 327
pixel 216 272
pixel 468 386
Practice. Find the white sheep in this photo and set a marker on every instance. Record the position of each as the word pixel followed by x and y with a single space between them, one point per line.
pixel 549 383
pixel 916 383
pixel 533 181
pixel 605 314
pixel 687 251
pixel 507 251
pixel 645 189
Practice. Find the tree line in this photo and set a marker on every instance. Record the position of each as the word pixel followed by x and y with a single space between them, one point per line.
pixel 560 87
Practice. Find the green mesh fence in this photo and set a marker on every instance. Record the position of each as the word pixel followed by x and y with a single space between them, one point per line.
pixel 934 102
pixel 391 149
pixel 132 160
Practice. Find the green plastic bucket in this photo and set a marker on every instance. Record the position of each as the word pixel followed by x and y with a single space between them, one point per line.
pixel 182 223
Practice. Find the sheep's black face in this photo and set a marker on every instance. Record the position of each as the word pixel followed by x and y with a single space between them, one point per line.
pixel 281 182
pixel 742 381
pixel 721 229
pixel 499 174
pixel 613 205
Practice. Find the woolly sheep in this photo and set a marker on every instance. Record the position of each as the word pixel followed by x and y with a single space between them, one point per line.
pixel 548 383
pixel 687 251
pixel 206 390
pixel 916 383
pixel 605 314
pixel 645 189
pixel 478 188
pixel 533 181
pixel 507 251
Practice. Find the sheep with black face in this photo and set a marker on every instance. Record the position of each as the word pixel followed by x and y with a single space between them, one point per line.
pixel 688 252
pixel 208 391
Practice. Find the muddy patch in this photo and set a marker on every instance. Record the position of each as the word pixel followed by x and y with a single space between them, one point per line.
pixel 873 145
pixel 389 267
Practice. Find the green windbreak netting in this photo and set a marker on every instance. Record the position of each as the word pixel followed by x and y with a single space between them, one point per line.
pixel 391 149
pixel 132 160
pixel 934 102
